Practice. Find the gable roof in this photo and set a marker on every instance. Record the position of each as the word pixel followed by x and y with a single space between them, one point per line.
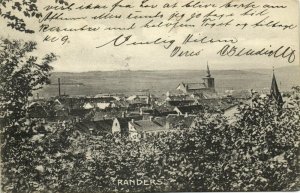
pixel 95 127
pixel 123 121
pixel 161 120
pixel 153 112
pixel 121 103
pixel 133 97
pixel 147 125
pixel 217 104
pixel 192 109
pixel 180 103
pixel 79 112
pixel 78 102
pixel 180 121
pixel 106 114
pixel 195 86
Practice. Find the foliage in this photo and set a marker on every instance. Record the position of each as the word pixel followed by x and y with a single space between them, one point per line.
pixel 15 11
pixel 21 74
pixel 266 148
pixel 213 156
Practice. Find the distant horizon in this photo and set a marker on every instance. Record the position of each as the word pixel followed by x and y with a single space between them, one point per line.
pixel 153 70
pixel 161 81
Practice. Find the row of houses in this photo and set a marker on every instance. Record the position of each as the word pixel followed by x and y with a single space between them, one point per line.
pixel 136 116
pixel 141 115
pixel 135 127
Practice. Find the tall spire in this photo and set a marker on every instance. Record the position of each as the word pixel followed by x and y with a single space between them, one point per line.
pixel 208 71
pixel 275 93
pixel 59 87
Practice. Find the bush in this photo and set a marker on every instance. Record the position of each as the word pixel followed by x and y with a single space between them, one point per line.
pixel 213 156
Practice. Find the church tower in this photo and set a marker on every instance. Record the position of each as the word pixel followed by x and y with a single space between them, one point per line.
pixel 275 93
pixel 208 80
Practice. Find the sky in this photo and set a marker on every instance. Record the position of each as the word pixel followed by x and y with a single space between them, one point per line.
pixel 81 53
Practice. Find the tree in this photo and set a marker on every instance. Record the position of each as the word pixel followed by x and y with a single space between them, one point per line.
pixel 266 147
pixel 20 75
pixel 10 11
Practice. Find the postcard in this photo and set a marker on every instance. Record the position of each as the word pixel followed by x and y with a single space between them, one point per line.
pixel 149 96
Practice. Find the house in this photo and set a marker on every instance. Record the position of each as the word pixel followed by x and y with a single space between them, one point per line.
pixel 95 127
pixel 180 103
pixel 180 121
pixel 140 99
pixel 191 87
pixel 103 99
pixel 69 103
pixel 80 102
pixel 217 105
pixel 239 94
pixel 88 106
pixel 79 113
pixel 105 114
pixel 192 109
pixel 180 97
pixel 150 112
pixel 121 104
pixel 144 128
pixel 103 105
pixel 136 106
pixel 165 110
pixel 205 88
pixel 102 95
pixel 120 124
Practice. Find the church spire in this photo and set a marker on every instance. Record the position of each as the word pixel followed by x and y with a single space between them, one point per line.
pixel 208 71
pixel 275 93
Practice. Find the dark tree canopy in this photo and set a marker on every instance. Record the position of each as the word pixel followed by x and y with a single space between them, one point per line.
pixel 15 11
pixel 20 75
pixel 212 156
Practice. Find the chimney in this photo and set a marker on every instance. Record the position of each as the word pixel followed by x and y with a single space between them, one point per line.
pixel 167 125
pixel 151 118
pixel 141 111
pixel 132 120
pixel 37 96
pixel 186 114
pixel 123 114
pixel 58 86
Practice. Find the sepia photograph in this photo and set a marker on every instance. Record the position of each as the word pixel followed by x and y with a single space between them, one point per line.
pixel 149 96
